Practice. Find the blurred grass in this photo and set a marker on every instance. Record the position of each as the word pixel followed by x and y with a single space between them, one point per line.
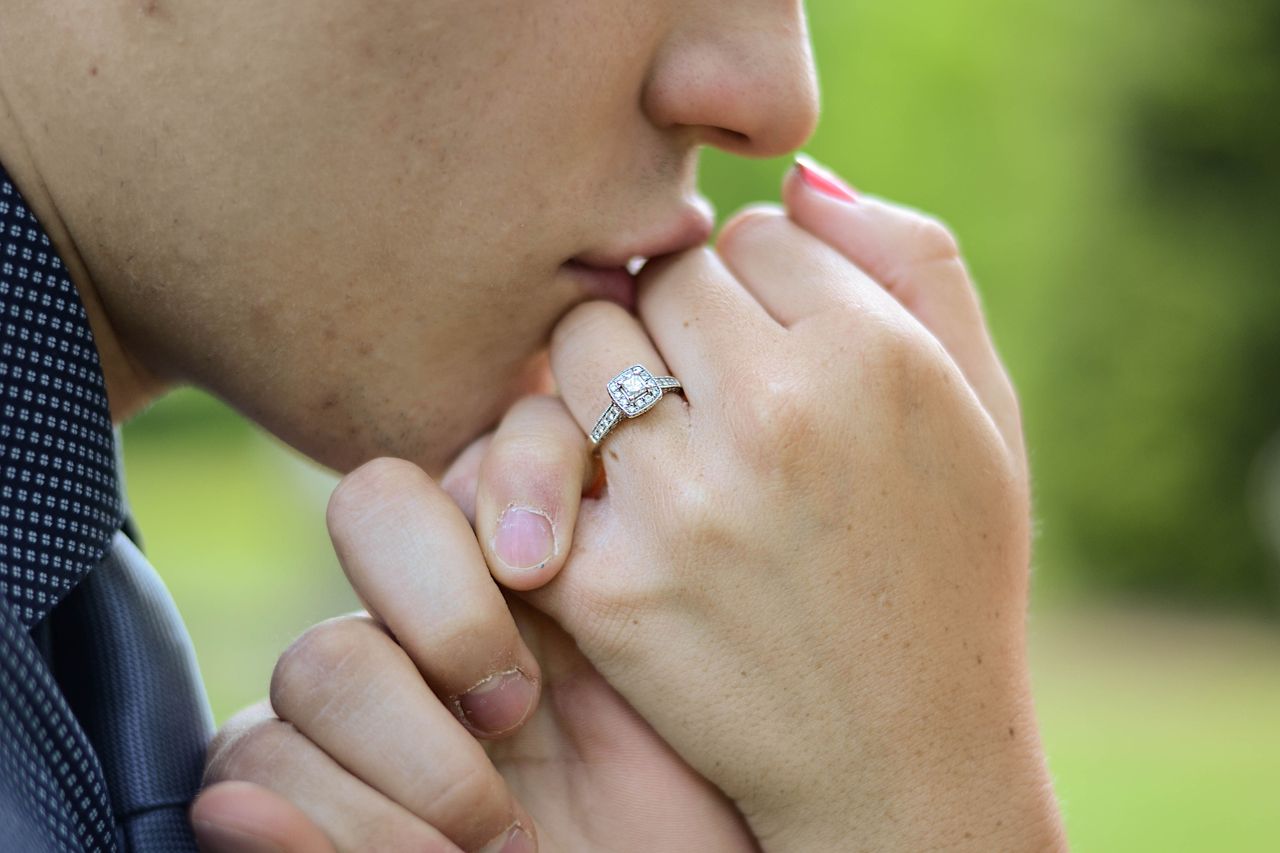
pixel 1105 166
pixel 1161 727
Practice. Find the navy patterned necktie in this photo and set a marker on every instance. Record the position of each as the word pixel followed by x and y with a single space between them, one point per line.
pixel 59 497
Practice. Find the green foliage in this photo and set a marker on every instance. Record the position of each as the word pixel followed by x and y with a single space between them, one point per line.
pixel 1111 170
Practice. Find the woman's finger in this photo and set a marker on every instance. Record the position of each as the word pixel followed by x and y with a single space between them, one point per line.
pixel 530 488
pixel 413 559
pixel 591 346
pixel 256 748
pixel 700 316
pixel 794 274
pixel 916 259
pixel 354 693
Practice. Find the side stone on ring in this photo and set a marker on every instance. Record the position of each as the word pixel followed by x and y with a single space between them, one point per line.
pixel 634 391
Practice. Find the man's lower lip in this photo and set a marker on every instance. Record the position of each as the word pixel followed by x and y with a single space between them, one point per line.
pixel 614 285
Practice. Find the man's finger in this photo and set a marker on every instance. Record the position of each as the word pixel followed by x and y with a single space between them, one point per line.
pixel 241 817
pixel 530 489
pixel 256 748
pixel 353 692
pixel 413 559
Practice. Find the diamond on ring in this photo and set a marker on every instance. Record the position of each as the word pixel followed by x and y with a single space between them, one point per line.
pixel 634 391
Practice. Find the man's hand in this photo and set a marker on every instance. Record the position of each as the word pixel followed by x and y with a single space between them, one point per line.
pixel 370 738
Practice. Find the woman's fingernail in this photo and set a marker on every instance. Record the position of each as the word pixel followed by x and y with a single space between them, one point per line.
pixel 822 180
pixel 524 539
pixel 512 840
pixel 497 704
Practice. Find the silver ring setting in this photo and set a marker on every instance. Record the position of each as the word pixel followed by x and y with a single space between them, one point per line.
pixel 634 391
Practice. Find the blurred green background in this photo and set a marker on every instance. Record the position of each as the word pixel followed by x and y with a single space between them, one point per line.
pixel 1111 169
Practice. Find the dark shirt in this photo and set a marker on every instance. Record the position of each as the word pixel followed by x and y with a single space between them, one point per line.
pixel 103 719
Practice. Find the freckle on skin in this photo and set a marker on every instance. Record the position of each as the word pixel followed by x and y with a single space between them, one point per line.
pixel 93 71
pixel 979 658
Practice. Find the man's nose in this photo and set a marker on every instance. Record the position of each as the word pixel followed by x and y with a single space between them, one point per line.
pixel 746 81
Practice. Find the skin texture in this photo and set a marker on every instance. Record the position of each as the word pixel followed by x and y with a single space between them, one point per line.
pixel 349 218
pixel 380 760
pixel 800 597
pixel 846 547
pixel 822 615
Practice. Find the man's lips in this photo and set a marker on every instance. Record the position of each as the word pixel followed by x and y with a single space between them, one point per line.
pixel 610 273
pixel 614 284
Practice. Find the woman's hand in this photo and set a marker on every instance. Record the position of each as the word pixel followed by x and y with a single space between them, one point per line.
pixel 369 740
pixel 810 575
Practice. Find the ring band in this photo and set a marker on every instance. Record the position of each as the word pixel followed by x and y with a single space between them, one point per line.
pixel 633 392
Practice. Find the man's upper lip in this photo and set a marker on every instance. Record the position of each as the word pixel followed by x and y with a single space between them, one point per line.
pixel 691 226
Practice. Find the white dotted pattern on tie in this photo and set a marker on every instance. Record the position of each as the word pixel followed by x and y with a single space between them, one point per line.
pixel 59 503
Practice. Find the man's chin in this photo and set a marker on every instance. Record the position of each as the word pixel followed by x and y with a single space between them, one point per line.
pixel 532 378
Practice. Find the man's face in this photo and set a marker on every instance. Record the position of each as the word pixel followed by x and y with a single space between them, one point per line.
pixel 352 219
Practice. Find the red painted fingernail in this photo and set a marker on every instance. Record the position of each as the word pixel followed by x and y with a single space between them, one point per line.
pixel 822 180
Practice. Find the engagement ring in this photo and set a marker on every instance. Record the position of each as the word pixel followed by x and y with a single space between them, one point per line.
pixel 634 391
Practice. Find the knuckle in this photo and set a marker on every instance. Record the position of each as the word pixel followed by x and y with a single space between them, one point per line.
pixel 589 321
pixel 752 222
pixel 935 241
pixel 538 437
pixel 316 661
pixel 538 408
pixel 457 635
pixel 476 791
pixel 253 755
pixel 897 350
pixel 699 524
pixel 370 487
pixel 782 416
